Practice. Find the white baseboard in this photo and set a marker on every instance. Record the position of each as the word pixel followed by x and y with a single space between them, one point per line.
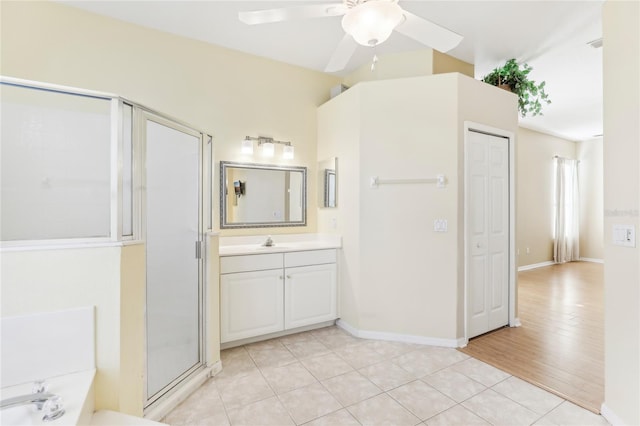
pixel 549 263
pixel 535 265
pixel 406 338
pixel 610 416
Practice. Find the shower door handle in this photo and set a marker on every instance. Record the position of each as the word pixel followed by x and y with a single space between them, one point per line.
pixel 198 249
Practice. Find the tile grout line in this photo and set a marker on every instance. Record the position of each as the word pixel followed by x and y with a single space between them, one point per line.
pixel 519 403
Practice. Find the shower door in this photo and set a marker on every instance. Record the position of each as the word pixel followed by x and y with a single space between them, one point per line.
pixel 173 228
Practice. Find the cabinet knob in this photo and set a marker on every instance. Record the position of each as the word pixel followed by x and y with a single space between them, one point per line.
pixel 289 277
pixel 281 277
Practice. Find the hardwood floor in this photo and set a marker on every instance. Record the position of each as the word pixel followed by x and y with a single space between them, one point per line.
pixel 560 345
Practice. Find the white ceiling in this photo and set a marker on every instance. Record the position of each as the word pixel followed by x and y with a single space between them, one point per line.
pixel 551 36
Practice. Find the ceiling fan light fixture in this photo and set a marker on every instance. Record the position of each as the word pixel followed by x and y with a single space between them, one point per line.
pixel 371 23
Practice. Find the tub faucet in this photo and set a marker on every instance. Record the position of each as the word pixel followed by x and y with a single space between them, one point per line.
pixel 268 242
pixel 51 403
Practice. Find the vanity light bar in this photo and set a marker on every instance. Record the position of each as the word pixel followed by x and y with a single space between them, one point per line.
pixel 268 146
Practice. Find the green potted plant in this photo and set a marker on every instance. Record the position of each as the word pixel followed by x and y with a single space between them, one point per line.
pixel 511 76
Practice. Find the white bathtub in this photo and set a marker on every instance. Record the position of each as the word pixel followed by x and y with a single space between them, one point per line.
pixel 58 347
pixel 76 390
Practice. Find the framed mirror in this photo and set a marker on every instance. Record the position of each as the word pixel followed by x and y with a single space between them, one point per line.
pixel 262 195
pixel 328 185
pixel 329 188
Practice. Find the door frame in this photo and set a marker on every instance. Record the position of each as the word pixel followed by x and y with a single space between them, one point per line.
pixel 470 126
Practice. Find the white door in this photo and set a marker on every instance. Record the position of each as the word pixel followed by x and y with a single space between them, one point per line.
pixel 310 295
pixel 173 306
pixel 251 304
pixel 487 231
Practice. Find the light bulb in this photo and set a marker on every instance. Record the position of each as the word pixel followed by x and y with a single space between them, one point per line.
pixel 268 149
pixel 247 146
pixel 287 152
pixel 372 22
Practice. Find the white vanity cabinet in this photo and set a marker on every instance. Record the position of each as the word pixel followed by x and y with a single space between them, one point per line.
pixel 267 293
pixel 310 288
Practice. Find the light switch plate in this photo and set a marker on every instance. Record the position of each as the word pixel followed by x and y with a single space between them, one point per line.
pixel 624 235
pixel 440 225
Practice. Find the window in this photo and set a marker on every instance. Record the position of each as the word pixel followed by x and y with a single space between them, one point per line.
pixel 55 165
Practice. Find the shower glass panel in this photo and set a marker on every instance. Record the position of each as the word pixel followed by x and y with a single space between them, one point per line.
pixel 174 326
pixel 55 165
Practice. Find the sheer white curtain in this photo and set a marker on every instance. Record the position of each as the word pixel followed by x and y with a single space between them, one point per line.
pixel 566 244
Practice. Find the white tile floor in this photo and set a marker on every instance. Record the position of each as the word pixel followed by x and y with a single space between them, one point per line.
pixel 328 377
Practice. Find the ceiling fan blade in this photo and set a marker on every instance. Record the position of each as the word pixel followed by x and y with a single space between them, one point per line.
pixel 428 33
pixel 342 54
pixel 289 13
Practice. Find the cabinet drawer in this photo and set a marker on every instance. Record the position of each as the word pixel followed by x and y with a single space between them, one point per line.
pixel 312 257
pixel 254 262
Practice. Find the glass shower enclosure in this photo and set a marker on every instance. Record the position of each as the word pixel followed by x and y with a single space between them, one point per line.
pixel 81 168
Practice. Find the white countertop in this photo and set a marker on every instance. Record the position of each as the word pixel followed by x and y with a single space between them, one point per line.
pixel 237 246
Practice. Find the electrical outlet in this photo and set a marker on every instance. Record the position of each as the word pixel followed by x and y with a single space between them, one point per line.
pixel 528 250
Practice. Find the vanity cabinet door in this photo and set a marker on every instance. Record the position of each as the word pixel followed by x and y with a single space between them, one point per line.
pixel 251 304
pixel 310 295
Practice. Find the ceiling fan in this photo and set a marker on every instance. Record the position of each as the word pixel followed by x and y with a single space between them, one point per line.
pixel 366 22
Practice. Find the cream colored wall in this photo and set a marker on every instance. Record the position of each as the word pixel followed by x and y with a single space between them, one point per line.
pixel 409 274
pixel 213 294
pixel 338 135
pixel 395 65
pixel 621 60
pixel 224 92
pixel 591 198
pixel 130 392
pixel 50 280
pixel 443 63
pixel 398 275
pixel 417 63
pixel 534 171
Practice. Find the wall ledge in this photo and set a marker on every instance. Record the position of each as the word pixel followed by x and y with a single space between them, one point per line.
pixel 405 338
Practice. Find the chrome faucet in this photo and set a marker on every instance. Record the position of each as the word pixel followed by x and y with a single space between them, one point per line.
pixel 32 398
pixel 269 242
pixel 50 403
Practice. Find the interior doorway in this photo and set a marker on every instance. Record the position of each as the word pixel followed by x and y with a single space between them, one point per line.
pixel 489 229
